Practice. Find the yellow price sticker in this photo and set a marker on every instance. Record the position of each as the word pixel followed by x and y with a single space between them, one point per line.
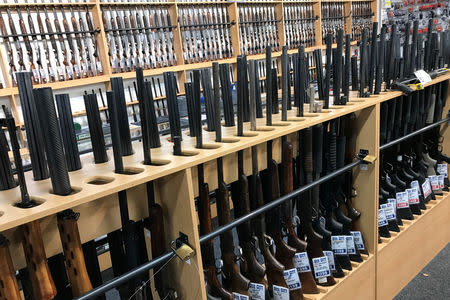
pixel 419 86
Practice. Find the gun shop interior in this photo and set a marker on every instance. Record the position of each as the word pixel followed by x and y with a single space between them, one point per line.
pixel 223 150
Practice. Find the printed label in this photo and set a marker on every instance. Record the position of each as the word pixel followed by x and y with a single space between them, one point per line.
pixel 442 170
pixel 426 187
pixel 434 181
pixel 423 76
pixel 100 68
pixel 301 262
pixel 237 296
pixel 292 279
pixel 388 179
pixel 338 244
pixel 393 201
pixel 402 199
pixel 382 218
pixel 413 196
pixel 357 237
pixel 43 76
pixel 35 74
pixel 321 267
pixel 441 181
pixel 330 257
pixel 415 184
pixel 322 221
pixel 280 293
pixel 350 244
pixel 389 211
pixel 68 70
pixel 257 291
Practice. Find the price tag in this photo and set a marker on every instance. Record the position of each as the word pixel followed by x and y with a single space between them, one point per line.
pixel 68 70
pixel 415 184
pixel 434 180
pixel 423 76
pixel 321 267
pixel 426 187
pixel 387 4
pixel 330 257
pixel 237 296
pixel 388 211
pixel 322 221
pixel 42 71
pixel 413 196
pixel 338 244
pixel 350 244
pixel 292 279
pixel 402 199
pixel 441 181
pixel 442 169
pixel 388 179
pixel 35 74
pixel 357 237
pixel 393 201
pixel 99 67
pixel 280 293
pixel 257 291
pixel 301 262
pixel 382 218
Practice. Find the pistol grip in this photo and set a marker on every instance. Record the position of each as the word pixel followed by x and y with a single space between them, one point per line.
pixel 33 246
pixel 9 288
pixel 74 257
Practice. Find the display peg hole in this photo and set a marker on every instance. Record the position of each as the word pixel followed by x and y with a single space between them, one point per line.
pixel 189 153
pixel 310 115
pixel 296 119
pixel 158 162
pixel 283 123
pixel 75 190
pixel 210 146
pixel 99 180
pixel 229 140
pixel 131 171
pixel 264 128
pixel 247 134
pixel 35 201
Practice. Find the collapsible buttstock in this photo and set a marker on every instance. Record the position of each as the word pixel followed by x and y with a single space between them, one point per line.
pixel 33 246
pixel 9 290
pixel 73 253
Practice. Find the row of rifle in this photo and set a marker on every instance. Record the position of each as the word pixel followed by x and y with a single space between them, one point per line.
pixel 299 25
pixel 258 28
pixel 139 37
pixel 51 51
pixel 361 18
pixel 333 18
pixel 205 31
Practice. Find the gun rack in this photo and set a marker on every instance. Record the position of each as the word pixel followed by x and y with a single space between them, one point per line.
pixel 175 179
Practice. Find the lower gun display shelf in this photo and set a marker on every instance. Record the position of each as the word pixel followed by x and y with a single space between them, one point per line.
pixel 402 256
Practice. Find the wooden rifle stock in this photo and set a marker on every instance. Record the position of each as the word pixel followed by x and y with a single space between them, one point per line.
pixel 8 289
pixel 33 246
pixel 204 211
pixel 73 253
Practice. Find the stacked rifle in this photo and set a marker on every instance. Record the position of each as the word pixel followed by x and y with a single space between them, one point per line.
pixel 361 18
pixel 51 51
pixel 258 26
pixel 299 25
pixel 205 32
pixel 139 36
pixel 333 18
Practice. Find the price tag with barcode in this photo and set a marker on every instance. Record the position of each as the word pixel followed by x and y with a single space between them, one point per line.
pixel 413 196
pixel 393 201
pixel 415 184
pixel 402 199
pixel 257 291
pixel 280 293
pixel 301 262
pixel 359 242
pixel 389 211
pixel 434 181
pixel 350 244
pixel 441 181
pixel 426 187
pixel 382 218
pixel 339 244
pixel 292 279
pixel 423 76
pixel 330 257
pixel 442 170
pixel 321 268
pixel 237 296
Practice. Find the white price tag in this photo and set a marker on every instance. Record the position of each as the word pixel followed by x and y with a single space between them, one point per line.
pixel 350 244
pixel 426 187
pixel 292 279
pixel 441 181
pixel 321 267
pixel 413 196
pixel 442 169
pixel 35 74
pixel 301 262
pixel 338 244
pixel 393 201
pixel 330 257
pixel 382 218
pixel 280 293
pixel 434 180
pixel 257 291
pixel 423 76
pixel 415 184
pixel 389 211
pixel 359 242
pixel 402 199
pixel 237 296
pixel 99 67
pixel 42 71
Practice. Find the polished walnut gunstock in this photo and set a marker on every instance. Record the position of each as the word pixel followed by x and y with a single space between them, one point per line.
pixel 9 289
